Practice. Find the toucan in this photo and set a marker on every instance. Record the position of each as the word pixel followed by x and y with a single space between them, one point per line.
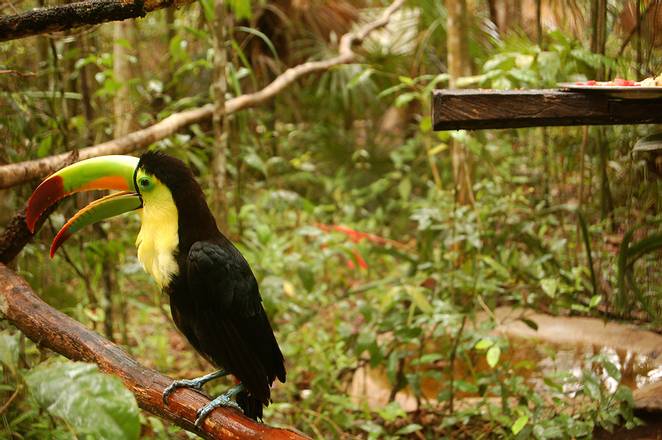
pixel 214 296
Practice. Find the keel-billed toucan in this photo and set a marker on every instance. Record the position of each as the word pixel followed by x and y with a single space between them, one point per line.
pixel 214 297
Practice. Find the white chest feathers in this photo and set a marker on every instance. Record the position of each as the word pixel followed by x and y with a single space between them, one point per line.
pixel 157 241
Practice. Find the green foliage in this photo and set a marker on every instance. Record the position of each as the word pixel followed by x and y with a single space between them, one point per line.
pixel 521 64
pixel 631 251
pixel 58 399
pixel 74 391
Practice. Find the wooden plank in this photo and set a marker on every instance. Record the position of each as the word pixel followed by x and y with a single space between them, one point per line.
pixel 480 109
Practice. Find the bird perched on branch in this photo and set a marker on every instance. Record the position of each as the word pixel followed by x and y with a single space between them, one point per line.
pixel 214 297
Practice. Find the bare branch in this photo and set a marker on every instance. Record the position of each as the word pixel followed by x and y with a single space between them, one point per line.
pixel 14 174
pixel 16 73
pixel 57 331
pixel 74 15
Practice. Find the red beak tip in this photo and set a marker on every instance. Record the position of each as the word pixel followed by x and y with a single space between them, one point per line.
pixel 47 194
pixel 30 216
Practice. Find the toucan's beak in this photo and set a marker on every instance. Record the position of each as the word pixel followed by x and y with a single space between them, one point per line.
pixel 105 172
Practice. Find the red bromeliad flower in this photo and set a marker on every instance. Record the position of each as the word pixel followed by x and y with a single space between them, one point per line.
pixel 357 237
pixel 359 259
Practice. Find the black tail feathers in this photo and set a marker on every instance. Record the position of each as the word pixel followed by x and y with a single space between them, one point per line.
pixel 251 406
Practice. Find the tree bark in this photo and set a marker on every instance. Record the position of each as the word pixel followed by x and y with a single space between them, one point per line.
pixel 220 29
pixel 599 26
pixel 458 65
pixel 122 74
pixel 22 172
pixel 598 45
pixel 55 330
pixel 74 15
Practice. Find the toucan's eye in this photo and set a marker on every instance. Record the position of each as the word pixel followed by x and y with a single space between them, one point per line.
pixel 145 183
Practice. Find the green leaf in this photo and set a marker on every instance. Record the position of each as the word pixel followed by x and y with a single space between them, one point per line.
pixel 524 76
pixel 591 387
pixel 262 37
pixel 550 65
pixel 45 146
pixel 9 350
pixel 406 80
pixel 519 424
pixel 360 78
pixel 241 8
pixel 583 226
pixel 530 323
pixel 484 344
pixel 418 297
pixel 501 61
pixel 404 188
pixel 92 403
pixel 493 355
pixel 409 429
pixel 549 286
pixel 595 300
pixel 496 266
pixel 612 370
pixel 404 99
pixel 425 124
pixel 254 161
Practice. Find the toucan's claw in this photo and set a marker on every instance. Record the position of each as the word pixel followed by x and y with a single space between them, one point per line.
pixel 195 384
pixel 224 400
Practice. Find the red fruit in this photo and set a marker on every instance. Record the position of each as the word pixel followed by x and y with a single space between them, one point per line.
pixel 623 82
pixel 591 82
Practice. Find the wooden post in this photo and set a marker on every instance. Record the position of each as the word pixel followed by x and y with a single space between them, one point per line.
pixel 481 109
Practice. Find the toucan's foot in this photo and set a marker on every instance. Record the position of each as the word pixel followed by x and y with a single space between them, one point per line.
pixel 196 383
pixel 224 399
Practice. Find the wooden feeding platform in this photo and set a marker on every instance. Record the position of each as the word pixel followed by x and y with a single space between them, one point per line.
pixel 475 109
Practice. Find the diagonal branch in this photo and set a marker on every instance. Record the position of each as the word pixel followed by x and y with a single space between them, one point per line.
pixel 74 15
pixel 57 331
pixel 21 172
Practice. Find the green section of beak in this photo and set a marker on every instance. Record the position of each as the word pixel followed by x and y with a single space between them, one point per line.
pixel 106 207
pixel 104 172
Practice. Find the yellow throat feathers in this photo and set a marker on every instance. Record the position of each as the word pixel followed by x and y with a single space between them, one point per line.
pixel 158 238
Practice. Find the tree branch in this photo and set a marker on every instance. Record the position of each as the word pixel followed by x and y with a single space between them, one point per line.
pixel 74 15
pixel 14 174
pixel 57 331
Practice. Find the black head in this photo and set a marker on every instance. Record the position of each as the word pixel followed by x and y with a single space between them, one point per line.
pixel 196 221
pixel 173 172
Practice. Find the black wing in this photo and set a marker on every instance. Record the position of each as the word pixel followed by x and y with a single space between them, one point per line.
pixel 231 327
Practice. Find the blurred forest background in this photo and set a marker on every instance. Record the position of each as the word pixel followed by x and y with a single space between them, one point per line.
pixel 385 251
